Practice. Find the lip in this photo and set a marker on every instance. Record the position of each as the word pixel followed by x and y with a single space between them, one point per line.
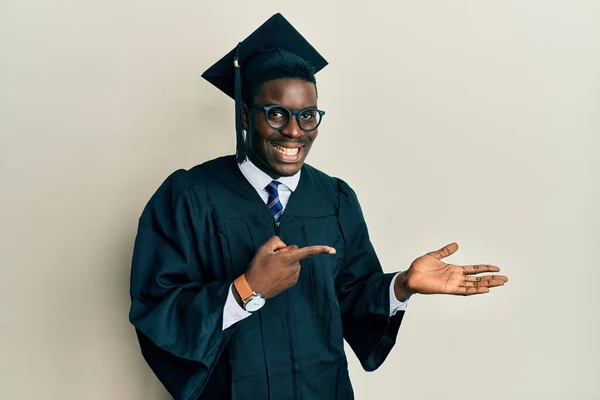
pixel 285 159
pixel 288 145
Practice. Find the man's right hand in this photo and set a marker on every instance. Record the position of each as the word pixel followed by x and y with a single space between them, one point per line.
pixel 276 266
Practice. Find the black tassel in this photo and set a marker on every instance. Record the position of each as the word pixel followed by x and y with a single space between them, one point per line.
pixel 239 127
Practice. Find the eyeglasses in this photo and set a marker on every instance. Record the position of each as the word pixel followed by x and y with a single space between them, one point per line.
pixel 278 117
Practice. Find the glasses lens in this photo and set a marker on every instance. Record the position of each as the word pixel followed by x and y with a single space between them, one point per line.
pixel 278 117
pixel 309 119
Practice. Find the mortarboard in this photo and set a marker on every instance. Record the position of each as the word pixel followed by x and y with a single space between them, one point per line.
pixel 275 41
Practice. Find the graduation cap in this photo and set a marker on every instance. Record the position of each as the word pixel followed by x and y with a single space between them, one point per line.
pixel 276 41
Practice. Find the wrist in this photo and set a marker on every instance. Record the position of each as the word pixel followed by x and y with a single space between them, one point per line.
pixel 249 277
pixel 246 297
pixel 401 290
pixel 236 296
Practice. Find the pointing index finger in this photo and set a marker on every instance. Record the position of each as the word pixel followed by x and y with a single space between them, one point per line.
pixel 309 251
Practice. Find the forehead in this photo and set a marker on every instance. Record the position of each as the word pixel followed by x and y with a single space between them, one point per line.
pixel 292 93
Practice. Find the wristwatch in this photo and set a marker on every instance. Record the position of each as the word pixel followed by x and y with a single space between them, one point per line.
pixel 251 300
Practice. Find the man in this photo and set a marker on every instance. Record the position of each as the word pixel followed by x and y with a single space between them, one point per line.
pixel 249 271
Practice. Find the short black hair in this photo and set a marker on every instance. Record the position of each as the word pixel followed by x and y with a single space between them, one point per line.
pixel 251 86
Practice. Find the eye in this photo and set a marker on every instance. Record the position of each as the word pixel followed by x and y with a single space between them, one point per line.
pixel 277 114
pixel 308 115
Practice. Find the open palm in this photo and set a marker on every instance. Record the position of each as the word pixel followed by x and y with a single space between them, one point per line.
pixel 428 274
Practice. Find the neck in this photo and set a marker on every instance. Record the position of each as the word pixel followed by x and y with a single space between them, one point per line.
pixel 263 166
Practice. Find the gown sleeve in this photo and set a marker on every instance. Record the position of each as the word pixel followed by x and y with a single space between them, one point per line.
pixel 176 311
pixel 363 289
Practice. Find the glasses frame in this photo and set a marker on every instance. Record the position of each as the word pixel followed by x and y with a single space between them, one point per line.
pixel 292 113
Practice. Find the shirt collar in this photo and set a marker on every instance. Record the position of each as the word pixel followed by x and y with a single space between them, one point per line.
pixel 259 180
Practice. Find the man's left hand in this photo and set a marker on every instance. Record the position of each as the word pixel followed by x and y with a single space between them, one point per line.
pixel 428 274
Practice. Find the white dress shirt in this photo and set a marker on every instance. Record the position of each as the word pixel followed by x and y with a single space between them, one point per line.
pixel 232 312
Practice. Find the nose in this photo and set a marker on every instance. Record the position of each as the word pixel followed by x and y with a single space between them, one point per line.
pixel 292 130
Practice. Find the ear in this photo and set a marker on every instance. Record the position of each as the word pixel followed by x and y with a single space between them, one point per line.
pixel 245 117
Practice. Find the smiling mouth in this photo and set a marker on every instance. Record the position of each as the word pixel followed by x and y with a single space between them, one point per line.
pixel 286 151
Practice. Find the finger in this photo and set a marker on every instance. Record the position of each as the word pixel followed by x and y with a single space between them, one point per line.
pixel 309 251
pixel 484 283
pixel 470 278
pixel 273 244
pixel 492 283
pixel 286 248
pixel 468 291
pixel 444 251
pixel 478 269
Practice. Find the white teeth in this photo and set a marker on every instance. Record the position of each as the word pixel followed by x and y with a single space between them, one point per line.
pixel 286 150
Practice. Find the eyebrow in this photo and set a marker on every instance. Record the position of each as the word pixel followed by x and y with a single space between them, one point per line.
pixel 279 104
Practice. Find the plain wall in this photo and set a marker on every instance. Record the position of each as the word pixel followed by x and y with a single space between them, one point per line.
pixel 471 121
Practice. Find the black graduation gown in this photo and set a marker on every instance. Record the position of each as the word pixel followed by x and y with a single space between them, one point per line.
pixel 199 232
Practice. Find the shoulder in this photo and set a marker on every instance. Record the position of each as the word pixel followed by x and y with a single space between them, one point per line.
pixel 333 185
pixel 184 184
pixel 182 181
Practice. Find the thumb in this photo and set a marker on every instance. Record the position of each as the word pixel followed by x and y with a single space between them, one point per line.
pixel 286 248
pixel 444 251
pixel 273 244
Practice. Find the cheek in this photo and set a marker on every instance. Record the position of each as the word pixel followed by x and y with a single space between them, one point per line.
pixel 258 137
pixel 312 136
pixel 259 123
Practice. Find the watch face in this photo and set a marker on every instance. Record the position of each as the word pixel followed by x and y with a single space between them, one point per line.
pixel 255 304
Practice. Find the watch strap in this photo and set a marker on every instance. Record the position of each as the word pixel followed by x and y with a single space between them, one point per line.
pixel 243 288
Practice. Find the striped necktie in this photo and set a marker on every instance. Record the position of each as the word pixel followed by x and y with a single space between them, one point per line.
pixel 273 202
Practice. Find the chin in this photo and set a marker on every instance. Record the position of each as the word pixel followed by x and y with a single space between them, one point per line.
pixel 287 169
pixel 283 169
pixel 275 168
